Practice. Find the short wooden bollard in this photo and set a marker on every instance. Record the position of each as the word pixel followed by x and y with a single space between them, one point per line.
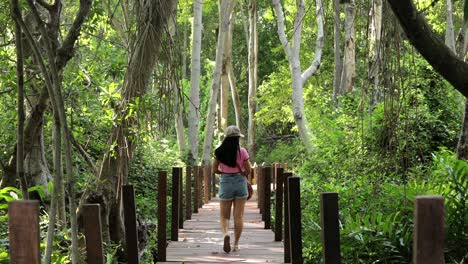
pixel 295 225
pixel 267 196
pixel 93 234
pixel 213 184
pixel 162 207
pixel 181 198
pixel 206 182
pixel 195 190
pixel 175 204
pixel 201 186
pixel 428 240
pixel 279 204
pixel 188 192
pixel 330 228
pixel 131 236
pixel 260 190
pixel 287 243
pixel 23 224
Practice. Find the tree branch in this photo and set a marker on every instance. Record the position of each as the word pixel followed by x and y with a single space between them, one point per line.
pixel 83 153
pixel 280 22
pixel 65 52
pixel 6 91
pixel 298 22
pixel 318 45
pixel 430 46
pixel 45 4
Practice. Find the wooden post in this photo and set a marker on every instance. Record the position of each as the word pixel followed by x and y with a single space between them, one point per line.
pixel 23 224
pixel 267 196
pixel 279 204
pixel 428 242
pixel 131 237
pixel 330 227
pixel 200 185
pixel 206 182
pixel 188 192
pixel 295 226
pixel 181 198
pixel 213 184
pixel 93 234
pixel 195 189
pixel 162 207
pixel 175 205
pixel 287 243
pixel 260 190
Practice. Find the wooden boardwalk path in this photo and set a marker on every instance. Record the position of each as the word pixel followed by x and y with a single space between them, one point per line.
pixel 201 240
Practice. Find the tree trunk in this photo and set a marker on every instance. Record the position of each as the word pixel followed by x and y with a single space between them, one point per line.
pixel 226 7
pixel 375 48
pixel 194 109
pixel 293 54
pixel 349 68
pixel 143 57
pixel 430 46
pixel 462 147
pixel 337 51
pixel 449 29
pixel 253 65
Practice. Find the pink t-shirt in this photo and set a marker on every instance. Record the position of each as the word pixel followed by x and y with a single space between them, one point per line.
pixel 244 155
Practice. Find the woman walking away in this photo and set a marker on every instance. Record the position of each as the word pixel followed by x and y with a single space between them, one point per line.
pixel 232 161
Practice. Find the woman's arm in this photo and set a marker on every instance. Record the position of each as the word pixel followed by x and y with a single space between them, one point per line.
pixel 247 168
pixel 215 168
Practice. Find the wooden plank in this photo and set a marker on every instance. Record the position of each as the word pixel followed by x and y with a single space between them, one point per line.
pixel 23 224
pixel 188 192
pixel 93 234
pixel 162 207
pixel 279 204
pixel 131 237
pixel 202 240
pixel 295 224
pixel 330 227
pixel 428 245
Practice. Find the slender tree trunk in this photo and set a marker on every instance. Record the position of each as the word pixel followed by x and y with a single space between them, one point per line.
pixel 195 83
pixel 226 7
pixel 150 26
pixel 462 147
pixel 449 29
pixel 253 59
pixel 375 48
pixel 293 54
pixel 337 51
pixel 349 68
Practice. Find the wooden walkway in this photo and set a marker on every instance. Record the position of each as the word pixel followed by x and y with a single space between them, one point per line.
pixel 201 240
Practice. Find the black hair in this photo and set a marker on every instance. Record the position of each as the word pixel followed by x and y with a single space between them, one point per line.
pixel 227 152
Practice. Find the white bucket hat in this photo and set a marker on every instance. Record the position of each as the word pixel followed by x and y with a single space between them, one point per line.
pixel 233 131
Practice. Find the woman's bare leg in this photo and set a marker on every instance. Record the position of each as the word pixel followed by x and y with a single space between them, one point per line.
pixel 239 206
pixel 225 215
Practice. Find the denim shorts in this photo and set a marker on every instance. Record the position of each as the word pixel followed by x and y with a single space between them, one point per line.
pixel 232 186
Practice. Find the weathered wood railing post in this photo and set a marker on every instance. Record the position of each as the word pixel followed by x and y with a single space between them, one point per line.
pixel 23 224
pixel 267 196
pixel 213 184
pixel 206 182
pixel 93 234
pixel 279 204
pixel 162 207
pixel 287 243
pixel 195 189
pixel 201 186
pixel 175 204
pixel 181 197
pixel 188 192
pixel 131 237
pixel 295 225
pixel 260 190
pixel 428 240
pixel 330 228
